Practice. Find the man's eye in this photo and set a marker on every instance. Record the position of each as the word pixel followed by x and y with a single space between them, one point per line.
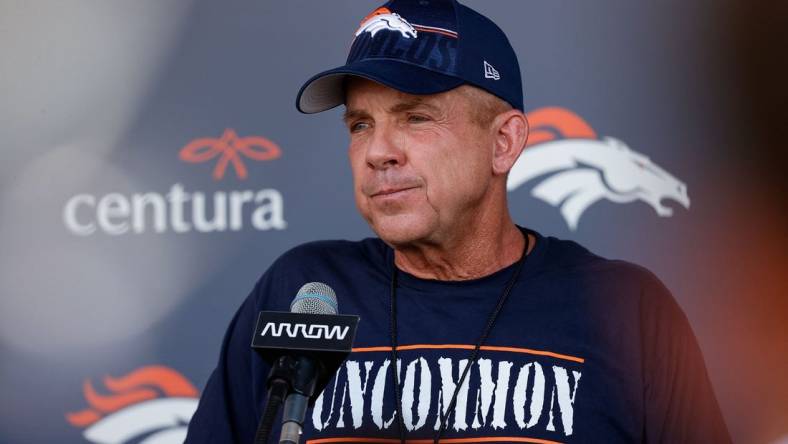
pixel 417 118
pixel 358 126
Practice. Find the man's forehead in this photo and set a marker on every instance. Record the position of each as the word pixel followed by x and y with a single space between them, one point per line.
pixel 359 91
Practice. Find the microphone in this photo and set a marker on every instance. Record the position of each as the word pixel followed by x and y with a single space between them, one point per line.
pixel 304 347
pixel 314 298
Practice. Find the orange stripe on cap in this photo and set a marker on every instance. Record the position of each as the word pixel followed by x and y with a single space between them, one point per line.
pixel 528 351
pixel 447 33
pixel 430 441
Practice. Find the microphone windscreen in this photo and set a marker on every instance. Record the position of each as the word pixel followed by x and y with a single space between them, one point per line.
pixel 315 298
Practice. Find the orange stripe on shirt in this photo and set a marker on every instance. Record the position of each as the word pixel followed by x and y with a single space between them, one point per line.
pixel 470 347
pixel 430 441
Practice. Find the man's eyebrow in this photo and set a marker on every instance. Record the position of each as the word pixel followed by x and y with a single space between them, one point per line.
pixel 412 104
pixel 351 114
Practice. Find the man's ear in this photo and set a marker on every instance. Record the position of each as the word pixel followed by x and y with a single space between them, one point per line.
pixel 511 134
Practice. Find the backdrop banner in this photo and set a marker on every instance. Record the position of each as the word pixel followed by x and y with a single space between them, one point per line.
pixel 154 165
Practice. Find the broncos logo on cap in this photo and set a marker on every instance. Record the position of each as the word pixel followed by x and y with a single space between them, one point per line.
pixel 383 18
pixel 585 170
pixel 153 403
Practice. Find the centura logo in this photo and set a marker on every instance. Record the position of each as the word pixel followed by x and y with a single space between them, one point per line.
pixel 383 18
pixel 154 403
pixel 229 148
pixel 582 169
pixel 311 331
pixel 182 211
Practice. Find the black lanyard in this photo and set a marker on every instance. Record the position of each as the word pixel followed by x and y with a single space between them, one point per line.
pixel 474 355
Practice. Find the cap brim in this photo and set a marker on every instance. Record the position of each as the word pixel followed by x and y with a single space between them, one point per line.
pixel 325 90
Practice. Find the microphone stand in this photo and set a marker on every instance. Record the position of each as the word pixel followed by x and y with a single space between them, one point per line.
pixel 301 364
pixel 278 388
pixel 293 380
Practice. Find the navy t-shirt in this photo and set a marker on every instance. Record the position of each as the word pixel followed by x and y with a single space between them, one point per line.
pixel 585 350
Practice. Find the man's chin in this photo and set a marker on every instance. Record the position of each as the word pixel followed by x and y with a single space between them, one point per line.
pixel 400 231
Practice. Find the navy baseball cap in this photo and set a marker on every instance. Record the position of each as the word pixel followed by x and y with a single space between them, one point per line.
pixel 422 47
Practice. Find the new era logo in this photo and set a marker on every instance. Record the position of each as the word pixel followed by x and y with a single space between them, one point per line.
pixel 490 72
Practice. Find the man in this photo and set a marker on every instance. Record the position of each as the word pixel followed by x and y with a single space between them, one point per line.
pixel 500 334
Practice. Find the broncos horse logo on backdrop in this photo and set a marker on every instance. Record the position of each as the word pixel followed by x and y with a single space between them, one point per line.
pixel 383 18
pixel 151 405
pixel 578 169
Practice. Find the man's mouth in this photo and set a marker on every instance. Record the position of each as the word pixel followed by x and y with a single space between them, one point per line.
pixel 392 192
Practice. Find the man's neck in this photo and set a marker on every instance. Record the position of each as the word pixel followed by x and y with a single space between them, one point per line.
pixel 470 257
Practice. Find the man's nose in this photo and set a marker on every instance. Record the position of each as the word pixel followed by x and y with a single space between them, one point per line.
pixel 385 148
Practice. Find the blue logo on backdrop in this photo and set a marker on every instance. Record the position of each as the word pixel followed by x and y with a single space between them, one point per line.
pixel 577 169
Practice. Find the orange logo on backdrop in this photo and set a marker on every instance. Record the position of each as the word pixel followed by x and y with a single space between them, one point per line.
pixel 552 123
pixel 140 385
pixel 230 149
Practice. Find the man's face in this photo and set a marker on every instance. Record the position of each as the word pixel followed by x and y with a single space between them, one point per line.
pixel 421 168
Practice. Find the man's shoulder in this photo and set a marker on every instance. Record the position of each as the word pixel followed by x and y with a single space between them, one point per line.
pixel 569 257
pixel 606 285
